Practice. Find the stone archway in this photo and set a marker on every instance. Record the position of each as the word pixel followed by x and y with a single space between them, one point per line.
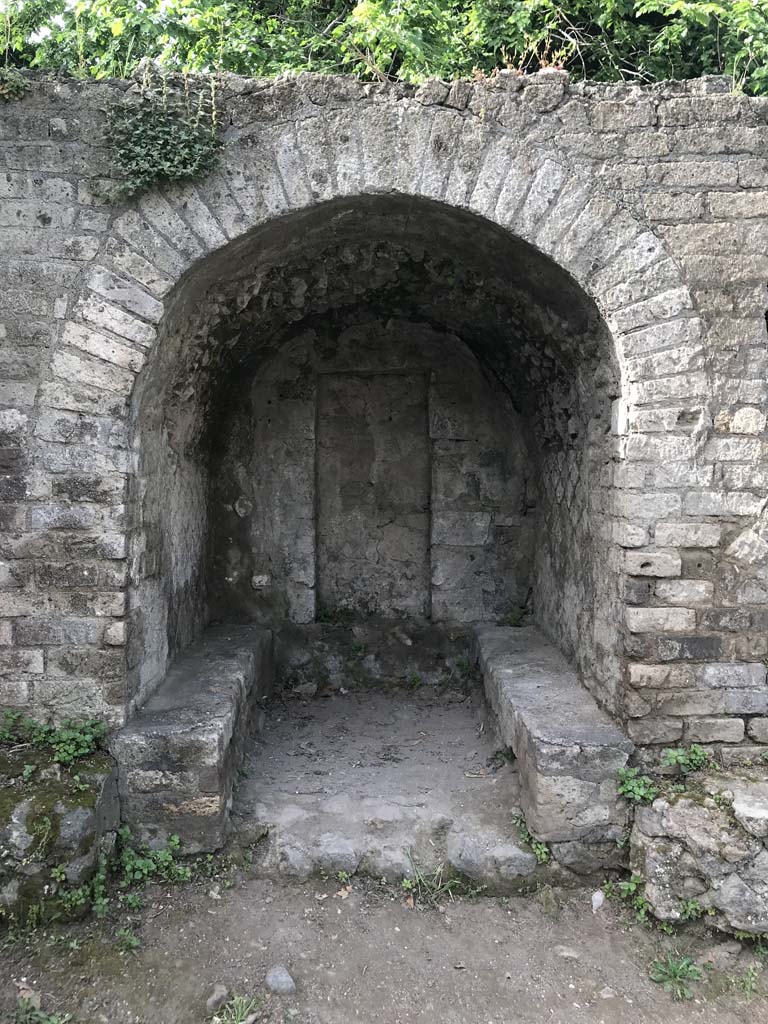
pixel 168 250
pixel 568 314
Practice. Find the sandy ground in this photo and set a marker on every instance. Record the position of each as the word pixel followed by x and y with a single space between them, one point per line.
pixel 361 954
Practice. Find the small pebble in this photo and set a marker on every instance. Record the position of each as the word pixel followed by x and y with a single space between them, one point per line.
pixel 280 981
pixel 218 997
pixel 567 953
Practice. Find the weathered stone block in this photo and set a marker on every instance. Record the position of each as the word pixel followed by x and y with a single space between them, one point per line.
pixel 655 729
pixel 714 730
pixel 660 620
pixel 689 844
pixel 652 563
pixel 178 757
pixel 757 729
pixel 569 751
pixel 50 820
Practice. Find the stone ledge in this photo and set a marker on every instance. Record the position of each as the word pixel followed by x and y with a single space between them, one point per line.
pixel 177 759
pixel 568 749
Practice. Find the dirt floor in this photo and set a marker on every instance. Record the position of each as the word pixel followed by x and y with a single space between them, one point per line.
pixel 364 780
pixel 359 952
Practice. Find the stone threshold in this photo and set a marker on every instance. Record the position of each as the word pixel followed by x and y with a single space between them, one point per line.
pixel 178 757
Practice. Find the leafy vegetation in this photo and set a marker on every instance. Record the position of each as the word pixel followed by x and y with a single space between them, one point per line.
pixel 127 941
pixel 691 910
pixel 631 892
pixel 139 865
pixel 675 974
pixel 637 788
pixel 687 759
pixel 12 84
pixel 638 40
pixel 68 743
pixel 28 1013
pixel 163 137
pixel 540 850
pixel 236 1010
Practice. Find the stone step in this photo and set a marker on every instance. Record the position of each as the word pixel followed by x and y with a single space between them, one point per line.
pixel 389 837
pixel 569 750
pixel 178 757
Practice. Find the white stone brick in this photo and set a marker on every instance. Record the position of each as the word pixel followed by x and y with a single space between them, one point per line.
pixel 96 311
pixel 738 204
pixel 685 592
pixel 748 420
pixel 652 563
pixel 102 347
pixel 720 675
pixel 653 448
pixel 114 634
pixel 648 507
pixel 736 449
pixel 661 677
pixel 688 535
pixel 68 365
pixel 660 620
pixel 714 730
pixel 719 503
pixel 629 535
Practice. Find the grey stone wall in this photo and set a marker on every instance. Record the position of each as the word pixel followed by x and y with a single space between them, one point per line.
pixel 611 246
pixel 370 467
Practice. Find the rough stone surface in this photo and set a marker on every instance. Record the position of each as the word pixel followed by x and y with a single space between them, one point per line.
pixel 600 250
pixel 380 782
pixel 707 844
pixel 568 750
pixel 179 756
pixel 51 820
pixel 348 485
pixel 279 981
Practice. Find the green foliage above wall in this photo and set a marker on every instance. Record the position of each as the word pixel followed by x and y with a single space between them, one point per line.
pixel 399 39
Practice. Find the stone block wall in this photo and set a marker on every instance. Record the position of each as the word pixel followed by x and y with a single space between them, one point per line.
pixel 652 201
pixel 355 499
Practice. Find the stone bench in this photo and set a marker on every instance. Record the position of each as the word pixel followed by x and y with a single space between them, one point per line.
pixel 178 757
pixel 569 750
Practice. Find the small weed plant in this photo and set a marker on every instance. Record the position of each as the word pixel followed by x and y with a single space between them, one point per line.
pixel 89 897
pixel 69 742
pixel 675 973
pixel 748 983
pixel 163 138
pixel 127 941
pixel 28 1013
pixel 540 850
pixel 236 1010
pixel 432 888
pixel 687 759
pixel 691 910
pixel 13 85
pixel 137 865
pixel 637 788
pixel 631 891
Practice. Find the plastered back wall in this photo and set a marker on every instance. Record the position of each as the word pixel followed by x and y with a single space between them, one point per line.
pixel 653 201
